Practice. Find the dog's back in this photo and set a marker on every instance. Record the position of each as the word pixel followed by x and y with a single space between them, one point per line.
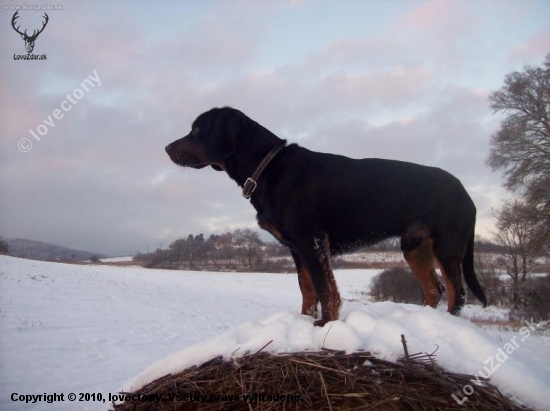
pixel 359 202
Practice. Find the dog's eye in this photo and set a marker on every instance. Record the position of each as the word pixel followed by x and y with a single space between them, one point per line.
pixel 195 131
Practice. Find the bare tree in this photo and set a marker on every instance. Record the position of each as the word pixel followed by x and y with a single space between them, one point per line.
pixel 495 289
pixel 521 242
pixel 193 249
pixel 225 249
pixel 521 147
pixel 248 243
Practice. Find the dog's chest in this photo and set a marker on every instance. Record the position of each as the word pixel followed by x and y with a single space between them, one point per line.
pixel 268 225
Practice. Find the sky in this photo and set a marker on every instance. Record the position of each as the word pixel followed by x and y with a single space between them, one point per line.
pixel 116 81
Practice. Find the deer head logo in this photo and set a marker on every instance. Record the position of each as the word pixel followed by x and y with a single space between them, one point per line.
pixel 29 40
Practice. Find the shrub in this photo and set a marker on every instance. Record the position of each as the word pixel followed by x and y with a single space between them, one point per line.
pixel 398 285
pixel 536 299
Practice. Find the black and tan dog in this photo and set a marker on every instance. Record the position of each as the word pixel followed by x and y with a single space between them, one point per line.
pixel 321 204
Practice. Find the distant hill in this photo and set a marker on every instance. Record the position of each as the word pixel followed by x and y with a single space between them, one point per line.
pixel 37 250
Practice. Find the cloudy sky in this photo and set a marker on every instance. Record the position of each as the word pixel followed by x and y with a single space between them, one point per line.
pixel 406 80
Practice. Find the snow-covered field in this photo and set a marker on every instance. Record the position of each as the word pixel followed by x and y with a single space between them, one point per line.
pixel 96 329
pixel 117 259
pixel 374 257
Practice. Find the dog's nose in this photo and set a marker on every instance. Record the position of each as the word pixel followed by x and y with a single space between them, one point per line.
pixel 168 147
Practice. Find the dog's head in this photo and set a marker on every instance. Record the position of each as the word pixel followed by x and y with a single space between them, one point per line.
pixel 211 141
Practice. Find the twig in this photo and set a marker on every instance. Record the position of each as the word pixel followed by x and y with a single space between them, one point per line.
pixel 319 366
pixel 325 389
pixel 261 349
pixel 405 346
pixel 326 335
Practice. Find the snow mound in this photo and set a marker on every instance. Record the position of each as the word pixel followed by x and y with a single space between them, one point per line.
pixel 459 346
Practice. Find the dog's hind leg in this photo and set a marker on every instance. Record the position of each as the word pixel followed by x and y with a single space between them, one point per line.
pixel 309 297
pixel 418 252
pixel 449 256
pixel 315 253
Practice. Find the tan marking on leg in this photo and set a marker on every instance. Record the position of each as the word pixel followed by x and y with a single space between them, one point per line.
pixel 421 260
pixel 452 293
pixel 309 298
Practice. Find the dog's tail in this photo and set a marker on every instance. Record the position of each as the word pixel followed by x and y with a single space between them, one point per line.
pixel 469 273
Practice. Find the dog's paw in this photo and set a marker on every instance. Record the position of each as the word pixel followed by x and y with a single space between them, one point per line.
pixel 320 323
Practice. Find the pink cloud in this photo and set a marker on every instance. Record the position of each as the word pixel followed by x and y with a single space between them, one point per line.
pixel 534 48
pixel 211 45
pixel 108 43
pixel 356 51
pixel 443 25
pixel 389 87
pixel 432 13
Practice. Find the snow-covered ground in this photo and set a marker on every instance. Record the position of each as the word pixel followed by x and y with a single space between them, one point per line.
pixel 374 257
pixel 96 329
pixel 117 259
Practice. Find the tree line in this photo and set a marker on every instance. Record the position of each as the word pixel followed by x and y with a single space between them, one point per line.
pixel 237 250
pixel 4 247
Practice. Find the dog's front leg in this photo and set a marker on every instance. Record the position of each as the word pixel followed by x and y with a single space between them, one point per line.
pixel 309 297
pixel 315 253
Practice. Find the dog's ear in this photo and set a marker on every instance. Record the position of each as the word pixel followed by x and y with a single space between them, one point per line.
pixel 225 126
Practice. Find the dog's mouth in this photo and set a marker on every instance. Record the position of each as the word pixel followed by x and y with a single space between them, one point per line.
pixel 184 159
pixel 188 163
pixel 198 166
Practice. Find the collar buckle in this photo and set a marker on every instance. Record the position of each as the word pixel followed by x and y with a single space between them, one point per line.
pixel 249 187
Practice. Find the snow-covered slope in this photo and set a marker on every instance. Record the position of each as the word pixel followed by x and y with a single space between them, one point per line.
pixel 92 329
